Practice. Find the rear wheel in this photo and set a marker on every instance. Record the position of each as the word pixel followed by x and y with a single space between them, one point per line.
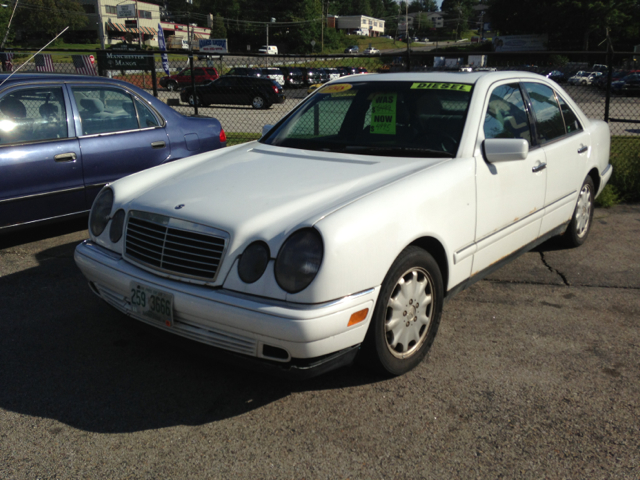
pixel 407 314
pixel 195 100
pixel 172 86
pixel 258 102
pixel 580 225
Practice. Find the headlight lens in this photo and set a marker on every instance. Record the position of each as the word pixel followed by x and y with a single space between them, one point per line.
pixel 253 262
pixel 299 260
pixel 100 211
pixel 117 225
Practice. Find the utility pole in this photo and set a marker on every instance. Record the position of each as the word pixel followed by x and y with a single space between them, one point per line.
pixel 6 34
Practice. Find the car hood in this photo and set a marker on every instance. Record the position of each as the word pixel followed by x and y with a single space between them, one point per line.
pixel 260 191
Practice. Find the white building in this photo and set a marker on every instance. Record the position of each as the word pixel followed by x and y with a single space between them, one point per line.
pixel 360 25
pixel 413 20
pixel 103 13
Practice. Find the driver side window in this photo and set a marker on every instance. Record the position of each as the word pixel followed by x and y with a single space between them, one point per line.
pixel 506 116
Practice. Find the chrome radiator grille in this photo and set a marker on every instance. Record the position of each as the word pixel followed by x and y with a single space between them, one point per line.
pixel 174 246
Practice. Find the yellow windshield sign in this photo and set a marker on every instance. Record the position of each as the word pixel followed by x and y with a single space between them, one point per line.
pixel 383 114
pixel 458 87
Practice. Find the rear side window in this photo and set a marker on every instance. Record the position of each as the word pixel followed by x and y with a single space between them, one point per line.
pixel 105 110
pixel 549 121
pixel 570 119
pixel 506 116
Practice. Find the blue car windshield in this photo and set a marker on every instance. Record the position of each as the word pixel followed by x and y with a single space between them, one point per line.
pixel 393 118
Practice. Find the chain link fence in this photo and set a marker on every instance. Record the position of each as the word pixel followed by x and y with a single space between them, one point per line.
pixel 601 84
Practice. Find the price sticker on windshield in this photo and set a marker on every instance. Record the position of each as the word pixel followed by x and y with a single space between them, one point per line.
pixel 383 114
pixel 457 87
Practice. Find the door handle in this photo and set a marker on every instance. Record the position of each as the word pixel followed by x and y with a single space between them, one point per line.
pixel 158 144
pixel 583 149
pixel 539 168
pixel 65 157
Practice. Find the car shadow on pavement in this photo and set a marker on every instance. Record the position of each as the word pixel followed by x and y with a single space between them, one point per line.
pixel 67 355
pixel 35 234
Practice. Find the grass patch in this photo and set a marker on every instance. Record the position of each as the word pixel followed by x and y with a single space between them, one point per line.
pixel 624 185
pixel 235 138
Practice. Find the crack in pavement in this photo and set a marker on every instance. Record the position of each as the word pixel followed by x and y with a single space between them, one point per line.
pixel 554 270
pixel 578 285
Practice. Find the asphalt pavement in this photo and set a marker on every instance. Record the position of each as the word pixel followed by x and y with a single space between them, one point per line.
pixel 535 373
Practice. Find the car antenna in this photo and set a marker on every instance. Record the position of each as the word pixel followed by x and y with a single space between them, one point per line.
pixel 18 69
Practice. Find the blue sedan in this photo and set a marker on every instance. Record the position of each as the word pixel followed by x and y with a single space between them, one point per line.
pixel 63 137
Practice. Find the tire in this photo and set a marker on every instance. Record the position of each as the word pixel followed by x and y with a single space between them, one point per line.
pixel 580 225
pixel 258 102
pixel 406 316
pixel 194 99
pixel 172 86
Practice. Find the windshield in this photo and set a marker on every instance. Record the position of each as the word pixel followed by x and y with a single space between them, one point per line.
pixel 408 119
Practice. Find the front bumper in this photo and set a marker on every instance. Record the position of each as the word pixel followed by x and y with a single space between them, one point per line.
pixel 303 340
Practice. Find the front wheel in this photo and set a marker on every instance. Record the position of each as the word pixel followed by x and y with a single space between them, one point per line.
pixel 580 225
pixel 407 314
pixel 258 102
pixel 172 86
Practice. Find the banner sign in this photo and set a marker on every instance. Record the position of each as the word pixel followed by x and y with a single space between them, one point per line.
pixel 213 45
pixel 520 43
pixel 122 60
pixel 162 45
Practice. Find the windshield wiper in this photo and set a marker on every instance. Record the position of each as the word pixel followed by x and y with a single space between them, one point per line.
pixel 397 150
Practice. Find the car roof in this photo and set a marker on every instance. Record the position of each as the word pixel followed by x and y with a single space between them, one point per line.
pixel 44 77
pixel 446 77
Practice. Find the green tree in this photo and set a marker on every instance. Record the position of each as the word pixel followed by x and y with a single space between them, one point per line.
pixel 218 29
pixel 50 16
pixel 459 12
pixel 423 6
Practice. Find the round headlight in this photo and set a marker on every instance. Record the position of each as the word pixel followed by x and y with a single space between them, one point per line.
pixel 299 260
pixel 100 211
pixel 253 262
pixel 117 225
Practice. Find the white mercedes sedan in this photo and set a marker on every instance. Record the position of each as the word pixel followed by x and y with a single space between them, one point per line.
pixel 341 233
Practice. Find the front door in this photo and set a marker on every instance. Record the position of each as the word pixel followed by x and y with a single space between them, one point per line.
pixel 511 194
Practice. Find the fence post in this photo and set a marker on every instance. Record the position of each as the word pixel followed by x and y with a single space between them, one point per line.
pixel 154 82
pixel 609 77
pixel 193 85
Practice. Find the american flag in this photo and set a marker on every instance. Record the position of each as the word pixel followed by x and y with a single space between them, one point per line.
pixel 44 63
pixel 8 62
pixel 83 65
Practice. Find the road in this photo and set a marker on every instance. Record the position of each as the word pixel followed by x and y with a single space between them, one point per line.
pixel 535 373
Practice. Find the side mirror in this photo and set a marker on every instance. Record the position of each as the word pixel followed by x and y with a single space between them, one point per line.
pixel 505 149
pixel 266 129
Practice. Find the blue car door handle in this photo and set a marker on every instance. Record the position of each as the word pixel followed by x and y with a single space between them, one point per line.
pixel 158 144
pixel 65 157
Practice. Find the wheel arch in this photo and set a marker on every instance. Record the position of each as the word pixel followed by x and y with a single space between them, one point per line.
pixel 437 251
pixel 595 177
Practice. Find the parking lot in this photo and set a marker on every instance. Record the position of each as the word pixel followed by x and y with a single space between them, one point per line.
pixel 245 119
pixel 535 373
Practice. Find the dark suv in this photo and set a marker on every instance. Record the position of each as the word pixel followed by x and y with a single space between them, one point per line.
pixel 236 90
pixel 293 77
pixel 182 79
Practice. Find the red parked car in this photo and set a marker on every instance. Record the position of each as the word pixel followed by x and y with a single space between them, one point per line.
pixel 183 79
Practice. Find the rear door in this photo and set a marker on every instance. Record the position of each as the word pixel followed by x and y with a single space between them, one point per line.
pixel 566 146
pixel 120 134
pixel 40 157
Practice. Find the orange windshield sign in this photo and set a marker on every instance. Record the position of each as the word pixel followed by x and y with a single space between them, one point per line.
pixel 341 87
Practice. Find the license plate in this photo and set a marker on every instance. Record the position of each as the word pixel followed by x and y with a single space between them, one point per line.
pixel 151 303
